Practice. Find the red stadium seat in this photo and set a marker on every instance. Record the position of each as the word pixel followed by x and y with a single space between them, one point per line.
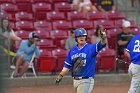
pixel 23 1
pixel 47 63
pixel 24 16
pixel 46 1
pixel 47 44
pixel 44 52
pixel 96 15
pixel 58 34
pixel 62 25
pixel 107 24
pixel 11 17
pixel 75 15
pixel 54 1
pixel 61 56
pixel 83 24
pixel 135 30
pixel 24 6
pixel 3 14
pixel 54 15
pixel 118 23
pixel 115 15
pixel 24 25
pixel 111 36
pixel 8 7
pixel 106 60
pixel 63 7
pixel 41 7
pixel 6 1
pixel 42 33
pixel 43 24
pixel 40 15
pixel 22 34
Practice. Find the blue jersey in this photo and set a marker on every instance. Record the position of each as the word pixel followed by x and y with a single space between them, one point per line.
pixel 88 52
pixel 134 49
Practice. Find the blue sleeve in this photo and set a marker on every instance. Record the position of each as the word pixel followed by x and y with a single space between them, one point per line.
pixel 128 48
pixel 68 62
pixel 27 50
pixel 37 51
pixel 99 46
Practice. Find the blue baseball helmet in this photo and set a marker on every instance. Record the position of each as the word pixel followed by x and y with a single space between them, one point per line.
pixel 80 32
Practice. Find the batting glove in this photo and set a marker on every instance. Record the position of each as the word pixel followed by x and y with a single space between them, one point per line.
pixel 58 79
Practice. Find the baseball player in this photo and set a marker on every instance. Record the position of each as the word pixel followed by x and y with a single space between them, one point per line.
pixel 133 52
pixel 82 61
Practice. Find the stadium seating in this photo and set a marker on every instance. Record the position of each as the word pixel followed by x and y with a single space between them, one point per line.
pixel 42 33
pixel 6 1
pixel 24 16
pixel 62 25
pixel 61 56
pixel 62 7
pixel 135 30
pixel 96 15
pixel 46 44
pixel 83 24
pixel 54 1
pixel 8 7
pixel 3 14
pixel 107 24
pixel 25 25
pixel 111 36
pixel 24 6
pixel 46 1
pixel 115 15
pixel 55 15
pixel 106 60
pixel 43 24
pixel 22 34
pixel 75 15
pixel 41 7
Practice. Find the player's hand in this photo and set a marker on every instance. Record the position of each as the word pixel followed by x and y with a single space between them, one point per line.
pixel 58 79
pixel 103 34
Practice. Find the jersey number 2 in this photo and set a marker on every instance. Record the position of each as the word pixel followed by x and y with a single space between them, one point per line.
pixel 137 46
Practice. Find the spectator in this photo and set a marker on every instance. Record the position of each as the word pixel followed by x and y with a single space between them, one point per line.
pixel 70 42
pixel 83 6
pixel 24 54
pixel 7 32
pixel 105 5
pixel 124 37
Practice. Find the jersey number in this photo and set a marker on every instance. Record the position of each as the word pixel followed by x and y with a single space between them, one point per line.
pixel 137 46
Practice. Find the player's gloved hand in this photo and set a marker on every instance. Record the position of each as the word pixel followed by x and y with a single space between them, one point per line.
pixel 58 79
pixel 103 35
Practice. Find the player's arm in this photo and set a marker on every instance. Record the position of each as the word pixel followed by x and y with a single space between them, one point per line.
pixel 65 70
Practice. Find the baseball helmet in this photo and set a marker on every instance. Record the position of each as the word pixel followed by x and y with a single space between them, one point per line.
pixel 80 32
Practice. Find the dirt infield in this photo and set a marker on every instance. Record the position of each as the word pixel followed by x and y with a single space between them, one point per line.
pixel 98 88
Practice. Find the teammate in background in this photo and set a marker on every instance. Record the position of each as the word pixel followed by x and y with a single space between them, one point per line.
pixel 70 42
pixel 25 52
pixel 105 5
pixel 82 61
pixel 133 52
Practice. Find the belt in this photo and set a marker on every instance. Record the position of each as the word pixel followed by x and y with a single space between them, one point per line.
pixel 79 78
